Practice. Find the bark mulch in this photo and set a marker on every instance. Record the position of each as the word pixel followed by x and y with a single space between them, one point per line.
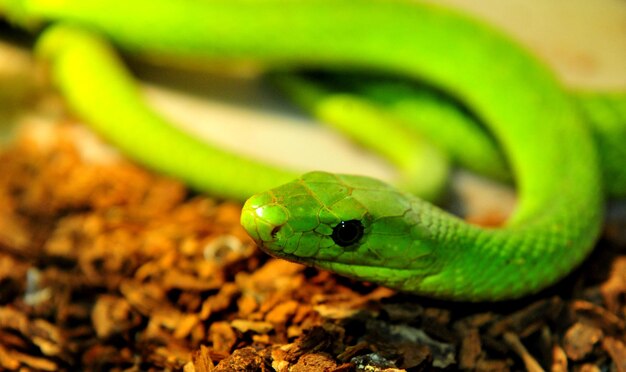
pixel 106 266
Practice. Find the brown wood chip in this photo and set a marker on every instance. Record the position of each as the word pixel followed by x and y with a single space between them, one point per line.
pixel 580 340
pixel 617 351
pixel 471 349
pixel 244 359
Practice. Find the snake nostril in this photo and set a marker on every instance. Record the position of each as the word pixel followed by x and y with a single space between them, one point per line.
pixel 275 231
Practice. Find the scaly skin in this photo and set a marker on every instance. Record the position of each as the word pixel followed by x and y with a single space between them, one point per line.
pixel 99 88
pixel 435 116
pixel 408 244
pixel 606 113
pixel 423 168
pixel 76 56
pixel 421 111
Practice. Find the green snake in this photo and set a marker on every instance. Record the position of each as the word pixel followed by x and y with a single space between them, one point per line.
pixel 352 225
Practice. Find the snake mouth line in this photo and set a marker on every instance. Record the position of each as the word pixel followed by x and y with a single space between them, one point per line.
pixel 339 267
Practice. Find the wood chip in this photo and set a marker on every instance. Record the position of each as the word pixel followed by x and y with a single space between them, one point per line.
pixel 617 351
pixel 471 349
pixel 559 359
pixel 529 361
pixel 244 359
pixel 248 325
pixel 313 363
pixel 201 360
pixel 222 337
pixel 112 315
pixel 580 340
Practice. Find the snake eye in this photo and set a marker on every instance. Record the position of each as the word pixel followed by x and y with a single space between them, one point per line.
pixel 347 233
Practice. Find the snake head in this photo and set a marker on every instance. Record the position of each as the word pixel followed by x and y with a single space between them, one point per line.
pixel 354 225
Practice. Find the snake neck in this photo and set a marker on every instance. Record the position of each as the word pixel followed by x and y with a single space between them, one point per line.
pixel 476 263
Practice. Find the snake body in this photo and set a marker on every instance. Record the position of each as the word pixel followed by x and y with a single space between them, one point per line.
pixel 453 128
pixel 355 225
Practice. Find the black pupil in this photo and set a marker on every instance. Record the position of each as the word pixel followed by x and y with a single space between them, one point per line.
pixel 347 233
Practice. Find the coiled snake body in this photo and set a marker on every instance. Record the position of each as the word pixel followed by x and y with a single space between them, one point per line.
pixel 352 225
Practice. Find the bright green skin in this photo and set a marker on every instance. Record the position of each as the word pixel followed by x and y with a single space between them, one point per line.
pixel 99 88
pixel 436 117
pixel 423 169
pixel 420 110
pixel 409 244
pixel 606 113
pixel 77 56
